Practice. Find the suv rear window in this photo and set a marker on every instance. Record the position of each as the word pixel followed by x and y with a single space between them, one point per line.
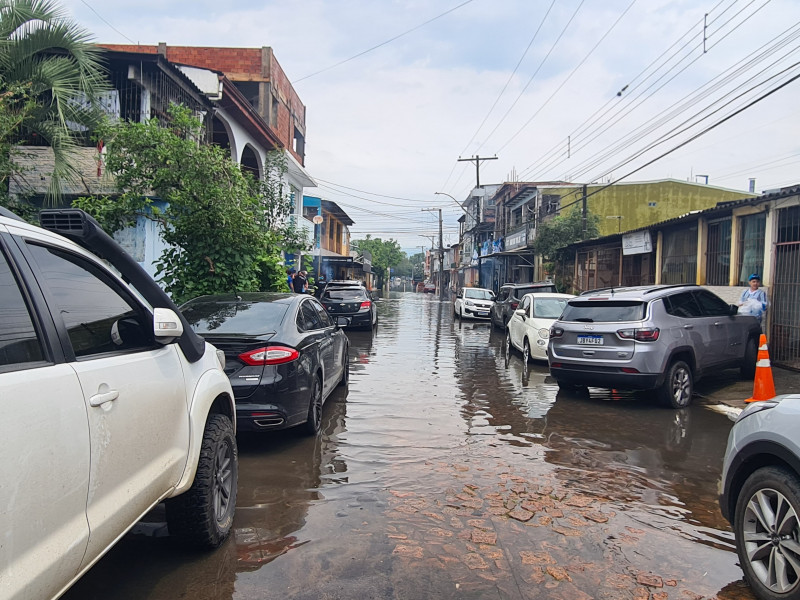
pixel 344 294
pixel 604 311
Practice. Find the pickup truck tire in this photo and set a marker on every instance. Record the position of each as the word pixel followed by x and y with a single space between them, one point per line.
pixel 202 516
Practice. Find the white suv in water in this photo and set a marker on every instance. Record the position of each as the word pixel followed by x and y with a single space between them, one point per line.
pixel 110 405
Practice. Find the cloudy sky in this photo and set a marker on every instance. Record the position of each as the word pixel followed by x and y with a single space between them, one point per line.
pixel 579 90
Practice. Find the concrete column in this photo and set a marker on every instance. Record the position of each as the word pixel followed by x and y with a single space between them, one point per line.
pixel 659 256
pixel 770 235
pixel 733 274
pixel 702 251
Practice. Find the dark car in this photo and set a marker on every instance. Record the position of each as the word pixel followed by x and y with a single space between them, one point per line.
pixel 352 301
pixel 509 297
pixel 283 354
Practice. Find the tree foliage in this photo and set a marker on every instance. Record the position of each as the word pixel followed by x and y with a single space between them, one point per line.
pixel 553 237
pixel 225 231
pixel 53 60
pixel 385 254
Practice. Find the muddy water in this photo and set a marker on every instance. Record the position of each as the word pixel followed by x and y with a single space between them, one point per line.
pixel 449 470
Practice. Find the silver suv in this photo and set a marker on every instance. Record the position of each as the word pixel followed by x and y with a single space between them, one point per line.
pixel 760 495
pixel 657 337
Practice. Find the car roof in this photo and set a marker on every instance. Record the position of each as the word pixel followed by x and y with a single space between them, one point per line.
pixel 549 295
pixel 248 297
pixel 529 284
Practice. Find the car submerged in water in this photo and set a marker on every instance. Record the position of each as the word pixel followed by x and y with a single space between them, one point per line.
pixel 283 355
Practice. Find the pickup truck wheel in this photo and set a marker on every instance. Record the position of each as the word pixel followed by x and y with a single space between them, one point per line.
pixel 314 421
pixel 748 368
pixel 202 516
pixel 677 389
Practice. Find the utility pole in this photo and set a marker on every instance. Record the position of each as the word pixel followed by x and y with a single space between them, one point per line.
pixel 584 211
pixel 477 160
pixel 441 251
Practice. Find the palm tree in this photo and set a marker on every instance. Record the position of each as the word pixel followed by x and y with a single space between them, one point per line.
pixel 52 59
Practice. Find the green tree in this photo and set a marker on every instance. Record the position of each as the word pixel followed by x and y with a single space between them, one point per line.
pixel 385 254
pixel 225 230
pixel 54 61
pixel 553 237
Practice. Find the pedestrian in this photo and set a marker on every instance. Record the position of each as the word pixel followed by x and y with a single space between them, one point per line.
pixel 754 300
pixel 290 279
pixel 300 283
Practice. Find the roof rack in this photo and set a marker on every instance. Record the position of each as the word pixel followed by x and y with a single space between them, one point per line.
pixel 670 285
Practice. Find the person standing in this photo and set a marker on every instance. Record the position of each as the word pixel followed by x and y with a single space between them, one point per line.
pixel 756 297
pixel 290 279
pixel 300 283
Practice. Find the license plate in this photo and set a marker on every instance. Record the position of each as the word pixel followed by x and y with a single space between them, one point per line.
pixel 483 314
pixel 591 340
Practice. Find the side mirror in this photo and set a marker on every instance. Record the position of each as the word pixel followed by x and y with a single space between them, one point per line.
pixel 521 312
pixel 733 309
pixel 166 325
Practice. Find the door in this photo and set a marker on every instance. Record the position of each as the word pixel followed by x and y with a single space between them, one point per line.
pixel 325 349
pixel 133 389
pixel 44 457
pixel 727 337
pixel 692 326
pixel 338 345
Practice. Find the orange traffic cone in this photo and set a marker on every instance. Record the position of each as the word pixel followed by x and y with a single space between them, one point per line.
pixel 763 386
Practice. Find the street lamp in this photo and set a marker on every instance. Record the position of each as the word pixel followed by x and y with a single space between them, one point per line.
pixel 466 212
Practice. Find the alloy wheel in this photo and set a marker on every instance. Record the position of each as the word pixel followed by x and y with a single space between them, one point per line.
pixel 223 480
pixel 681 386
pixel 771 532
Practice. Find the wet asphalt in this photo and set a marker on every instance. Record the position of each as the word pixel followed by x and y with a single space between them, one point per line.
pixel 449 469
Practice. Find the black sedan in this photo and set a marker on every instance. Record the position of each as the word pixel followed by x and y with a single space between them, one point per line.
pixel 284 355
pixel 351 301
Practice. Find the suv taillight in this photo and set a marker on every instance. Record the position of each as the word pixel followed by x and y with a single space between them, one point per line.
pixel 556 332
pixel 649 334
pixel 271 355
pixel 514 305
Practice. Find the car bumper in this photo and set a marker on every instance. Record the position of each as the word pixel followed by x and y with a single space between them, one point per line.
pixel 359 320
pixel 476 313
pixel 608 378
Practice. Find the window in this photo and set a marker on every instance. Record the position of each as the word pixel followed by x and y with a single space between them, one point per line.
pixel 604 311
pixel 98 319
pixel 679 264
pixel 718 266
pixel 18 341
pixel 324 319
pixel 712 305
pixel 526 303
pixel 752 231
pixel 502 295
pixel 549 308
pixel 311 318
pixel 683 305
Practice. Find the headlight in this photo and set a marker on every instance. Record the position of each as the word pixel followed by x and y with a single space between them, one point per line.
pixel 469 303
pixel 544 333
pixel 755 407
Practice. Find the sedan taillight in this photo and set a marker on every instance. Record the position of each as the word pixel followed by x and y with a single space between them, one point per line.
pixel 271 355
pixel 649 334
pixel 365 305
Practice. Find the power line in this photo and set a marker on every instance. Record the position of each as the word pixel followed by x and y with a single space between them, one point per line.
pixel 99 16
pixel 392 39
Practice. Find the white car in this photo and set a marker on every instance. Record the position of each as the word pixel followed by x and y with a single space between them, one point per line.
pixel 473 303
pixel 529 327
pixel 110 403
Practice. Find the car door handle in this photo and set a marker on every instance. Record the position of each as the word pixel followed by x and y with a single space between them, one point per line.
pixel 688 326
pixel 100 399
pixel 717 323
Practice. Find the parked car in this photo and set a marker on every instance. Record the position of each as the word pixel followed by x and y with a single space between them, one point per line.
pixel 509 297
pixel 283 354
pixel 652 337
pixel 429 288
pixel 350 301
pixel 529 327
pixel 473 303
pixel 110 405
pixel 760 495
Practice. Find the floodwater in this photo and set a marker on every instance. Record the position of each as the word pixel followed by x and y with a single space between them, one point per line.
pixel 449 470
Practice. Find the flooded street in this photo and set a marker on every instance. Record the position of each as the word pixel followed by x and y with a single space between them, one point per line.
pixel 448 470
